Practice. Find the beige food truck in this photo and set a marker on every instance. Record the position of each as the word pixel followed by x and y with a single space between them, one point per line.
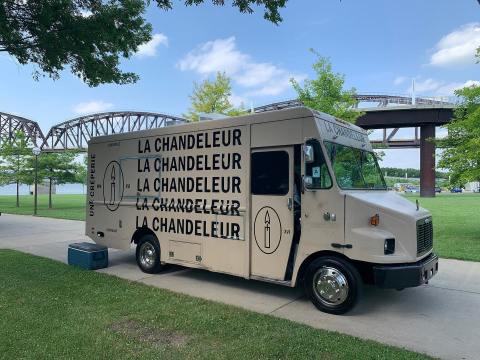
pixel 291 197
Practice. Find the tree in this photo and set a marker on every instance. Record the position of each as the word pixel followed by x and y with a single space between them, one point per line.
pixel 461 153
pixel 213 97
pixel 82 173
pixel 57 168
pixel 245 6
pixel 88 36
pixel 13 162
pixel 326 93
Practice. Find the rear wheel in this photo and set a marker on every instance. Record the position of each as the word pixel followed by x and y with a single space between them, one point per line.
pixel 148 255
pixel 333 285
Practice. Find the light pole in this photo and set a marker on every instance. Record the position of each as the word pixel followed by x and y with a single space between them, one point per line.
pixel 36 151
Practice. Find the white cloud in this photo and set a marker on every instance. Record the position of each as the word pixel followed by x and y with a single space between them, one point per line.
pixel 150 48
pixel 449 88
pixel 213 56
pixel 91 107
pixel 399 80
pixel 237 101
pixel 432 87
pixel 259 78
pixel 425 86
pixel 458 47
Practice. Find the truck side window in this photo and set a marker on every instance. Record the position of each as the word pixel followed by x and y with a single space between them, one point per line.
pixel 317 169
pixel 270 173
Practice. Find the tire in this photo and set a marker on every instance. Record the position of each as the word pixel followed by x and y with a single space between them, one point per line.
pixel 342 285
pixel 148 255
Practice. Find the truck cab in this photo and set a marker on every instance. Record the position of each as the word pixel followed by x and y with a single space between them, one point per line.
pixel 365 231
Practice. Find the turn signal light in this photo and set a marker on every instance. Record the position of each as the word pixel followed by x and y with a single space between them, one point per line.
pixel 375 220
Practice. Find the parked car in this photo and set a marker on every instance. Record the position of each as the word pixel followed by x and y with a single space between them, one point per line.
pixel 412 189
pixel 456 190
pixel 438 189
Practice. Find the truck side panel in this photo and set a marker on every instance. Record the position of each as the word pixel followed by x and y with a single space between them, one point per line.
pixel 191 189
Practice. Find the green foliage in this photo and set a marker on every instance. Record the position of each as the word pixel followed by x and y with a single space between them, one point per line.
pixel 411 173
pixel 213 97
pixel 82 173
pixel 57 168
pixel 461 154
pixel 245 6
pixel 13 162
pixel 326 93
pixel 89 36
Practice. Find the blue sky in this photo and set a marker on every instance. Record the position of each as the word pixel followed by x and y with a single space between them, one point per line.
pixel 379 46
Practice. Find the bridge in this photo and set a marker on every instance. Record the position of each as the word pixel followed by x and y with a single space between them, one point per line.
pixel 74 134
pixel 422 114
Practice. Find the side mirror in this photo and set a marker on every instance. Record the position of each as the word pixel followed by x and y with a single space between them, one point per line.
pixel 308 153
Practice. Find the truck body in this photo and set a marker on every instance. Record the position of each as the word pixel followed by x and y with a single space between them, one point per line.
pixel 281 196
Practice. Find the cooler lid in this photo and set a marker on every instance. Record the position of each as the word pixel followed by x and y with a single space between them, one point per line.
pixel 86 246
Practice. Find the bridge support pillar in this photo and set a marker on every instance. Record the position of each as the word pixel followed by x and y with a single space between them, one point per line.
pixel 427 161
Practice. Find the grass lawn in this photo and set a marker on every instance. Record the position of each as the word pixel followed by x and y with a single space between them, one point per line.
pixel 456 218
pixel 456 224
pixel 64 206
pixel 52 310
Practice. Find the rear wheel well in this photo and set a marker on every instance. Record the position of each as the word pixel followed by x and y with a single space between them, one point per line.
pixel 141 232
pixel 363 268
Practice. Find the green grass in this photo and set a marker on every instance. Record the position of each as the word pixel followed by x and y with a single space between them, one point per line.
pixel 456 224
pixel 456 218
pixel 64 206
pixel 51 310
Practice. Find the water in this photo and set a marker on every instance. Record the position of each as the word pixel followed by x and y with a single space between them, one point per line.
pixel 61 189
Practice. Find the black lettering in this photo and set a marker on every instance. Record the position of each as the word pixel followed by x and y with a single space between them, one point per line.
pixel 237 134
pixel 155 224
pixel 235 184
pixel 235 231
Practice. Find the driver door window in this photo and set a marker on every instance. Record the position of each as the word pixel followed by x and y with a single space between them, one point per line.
pixel 317 170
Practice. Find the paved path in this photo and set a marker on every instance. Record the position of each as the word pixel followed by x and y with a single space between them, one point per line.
pixel 441 319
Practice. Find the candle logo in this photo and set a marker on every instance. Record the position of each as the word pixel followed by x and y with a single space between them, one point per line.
pixel 113 184
pixel 267 230
pixel 112 187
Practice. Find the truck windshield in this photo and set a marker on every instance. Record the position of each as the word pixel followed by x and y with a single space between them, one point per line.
pixel 355 168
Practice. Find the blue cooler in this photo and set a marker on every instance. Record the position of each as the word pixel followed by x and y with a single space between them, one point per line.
pixel 88 255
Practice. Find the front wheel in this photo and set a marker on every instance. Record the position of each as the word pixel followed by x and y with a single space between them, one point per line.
pixel 148 255
pixel 333 285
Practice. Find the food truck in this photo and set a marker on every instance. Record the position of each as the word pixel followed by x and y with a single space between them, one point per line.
pixel 293 196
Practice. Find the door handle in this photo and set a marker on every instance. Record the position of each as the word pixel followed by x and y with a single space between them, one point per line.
pixel 289 203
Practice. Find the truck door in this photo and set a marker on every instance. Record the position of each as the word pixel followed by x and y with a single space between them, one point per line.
pixel 272 186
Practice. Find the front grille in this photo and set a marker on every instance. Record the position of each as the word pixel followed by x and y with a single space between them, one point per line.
pixel 424 236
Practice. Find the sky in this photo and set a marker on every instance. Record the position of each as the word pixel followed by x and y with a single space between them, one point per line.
pixel 380 46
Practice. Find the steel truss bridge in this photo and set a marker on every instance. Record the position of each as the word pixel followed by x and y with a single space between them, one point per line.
pixel 74 134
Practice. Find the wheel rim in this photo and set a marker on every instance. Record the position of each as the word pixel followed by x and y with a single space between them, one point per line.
pixel 148 255
pixel 330 286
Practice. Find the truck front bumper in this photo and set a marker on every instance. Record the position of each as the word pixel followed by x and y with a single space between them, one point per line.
pixel 401 276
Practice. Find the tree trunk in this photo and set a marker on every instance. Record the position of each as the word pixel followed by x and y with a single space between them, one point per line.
pixel 18 194
pixel 50 194
pixel 18 181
